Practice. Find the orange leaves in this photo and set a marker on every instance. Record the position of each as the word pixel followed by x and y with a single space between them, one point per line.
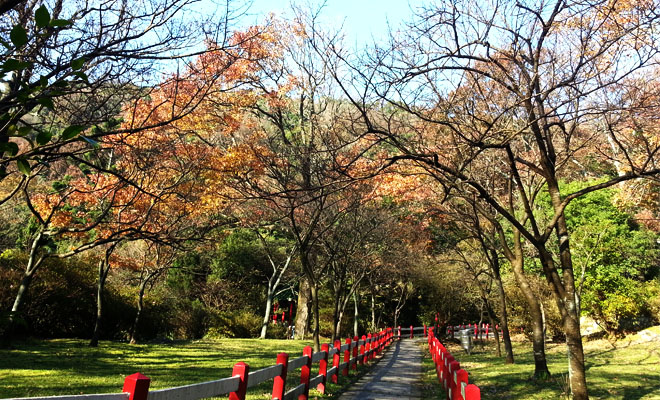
pixel 620 15
pixel 206 96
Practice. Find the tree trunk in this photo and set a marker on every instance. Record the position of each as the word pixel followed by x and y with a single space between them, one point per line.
pixel 269 305
pixel 564 290
pixel 504 321
pixel 373 312
pixel 104 268
pixel 8 334
pixel 491 321
pixel 504 318
pixel 140 306
pixel 355 315
pixel 302 314
pixel 22 289
pixel 338 327
pixel 273 283
pixel 481 319
pixel 565 300
pixel 564 287
pixel 538 338
pixel 342 313
pixel 576 370
pixel 336 312
pixel 31 268
pixel 317 317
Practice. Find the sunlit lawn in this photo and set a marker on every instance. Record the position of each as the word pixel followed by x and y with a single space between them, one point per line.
pixel 629 371
pixel 61 367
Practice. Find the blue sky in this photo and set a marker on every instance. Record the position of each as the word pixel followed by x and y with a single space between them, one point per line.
pixel 362 19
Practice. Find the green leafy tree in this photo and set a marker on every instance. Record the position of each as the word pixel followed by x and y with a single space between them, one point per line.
pixel 614 256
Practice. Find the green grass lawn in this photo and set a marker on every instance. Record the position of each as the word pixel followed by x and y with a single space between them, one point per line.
pixel 67 366
pixel 626 369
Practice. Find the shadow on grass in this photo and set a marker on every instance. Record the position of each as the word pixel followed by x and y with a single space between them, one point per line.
pixel 58 367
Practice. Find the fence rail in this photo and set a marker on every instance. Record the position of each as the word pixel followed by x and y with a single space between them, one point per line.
pixel 355 351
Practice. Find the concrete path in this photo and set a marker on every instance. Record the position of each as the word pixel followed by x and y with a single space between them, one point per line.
pixel 396 376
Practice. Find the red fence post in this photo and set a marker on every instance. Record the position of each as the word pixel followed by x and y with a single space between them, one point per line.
pixel 355 352
pixel 347 358
pixel 379 342
pixel 459 377
pixel 323 369
pixel 399 332
pixel 439 363
pixel 305 372
pixel 335 361
pixel 369 347
pixel 137 385
pixel 241 370
pixel 453 367
pixel 447 360
pixel 362 350
pixel 411 331
pixel 487 326
pixel 472 392
pixel 280 381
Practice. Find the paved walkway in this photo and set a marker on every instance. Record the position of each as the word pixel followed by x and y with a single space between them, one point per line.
pixel 396 376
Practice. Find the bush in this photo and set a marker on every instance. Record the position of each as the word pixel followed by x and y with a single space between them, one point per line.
pixel 235 324
pixel 277 331
pixel 519 316
pixel 190 320
pixel 653 302
pixel 61 300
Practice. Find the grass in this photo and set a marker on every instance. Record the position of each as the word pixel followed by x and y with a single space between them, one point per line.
pixel 627 369
pixel 69 366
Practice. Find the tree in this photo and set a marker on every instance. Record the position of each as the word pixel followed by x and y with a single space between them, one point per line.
pixel 53 63
pixel 280 253
pixel 523 83
pixel 614 258
pixel 103 270
pixel 67 68
pixel 481 237
pixel 353 248
pixel 155 261
pixel 303 149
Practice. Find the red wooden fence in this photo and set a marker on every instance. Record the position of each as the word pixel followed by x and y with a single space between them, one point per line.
pixel 454 379
pixel 136 386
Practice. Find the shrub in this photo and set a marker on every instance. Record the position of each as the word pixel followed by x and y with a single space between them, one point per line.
pixel 277 331
pixel 235 324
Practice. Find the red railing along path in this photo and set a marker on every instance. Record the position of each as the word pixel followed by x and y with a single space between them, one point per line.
pixel 454 380
pixel 136 386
